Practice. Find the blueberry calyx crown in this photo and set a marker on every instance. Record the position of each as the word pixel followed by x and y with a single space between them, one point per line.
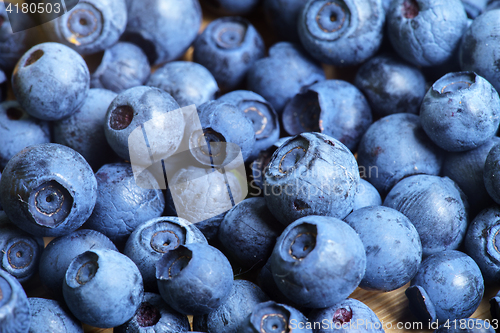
pixel 50 204
pixel 20 255
pixel 121 117
pixel 230 34
pixel 147 315
pixel 410 9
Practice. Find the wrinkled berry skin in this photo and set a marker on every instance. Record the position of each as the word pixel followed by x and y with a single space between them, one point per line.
pixel 19 130
pixel 339 317
pixel 341 33
pixel 480 47
pixel 249 231
pixel 229 316
pixel 437 208
pixel 491 173
pixel 187 82
pixel 282 16
pixel 366 196
pixel 89 27
pixel 49 316
pixel 121 204
pixel 20 251
pixel 299 268
pixel 154 315
pixel 48 190
pixel 466 169
pixel 392 245
pixel 232 7
pixel 14 306
pixel 385 161
pixel 470 325
pixel 164 29
pixel 153 238
pixel 480 243
pixel 311 174
pixel 337 109
pixel 426 32
pixel 194 278
pixel 135 107
pixel 103 288
pixel 282 74
pixel 391 85
pixel 269 317
pixel 474 8
pixel 59 253
pixel 54 96
pixel 84 130
pixel 228 47
pixel 461 111
pixel 123 66
pixel 262 115
pixel 448 286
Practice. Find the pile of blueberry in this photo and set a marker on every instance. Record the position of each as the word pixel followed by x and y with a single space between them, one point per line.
pixel 386 177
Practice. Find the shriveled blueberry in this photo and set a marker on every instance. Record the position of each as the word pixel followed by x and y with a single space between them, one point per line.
pixel 14 305
pixel 366 196
pixel 49 316
pixel 461 111
pixel 332 107
pixel 311 174
pixel 194 278
pixel 154 315
pixel 59 253
pixel 299 267
pixel 48 190
pixel 437 208
pixel 152 239
pixel 448 286
pixel 229 316
pixel 341 33
pixel 103 288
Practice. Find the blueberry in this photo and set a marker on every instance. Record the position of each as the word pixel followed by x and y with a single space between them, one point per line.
pixel 341 33
pixel 480 47
pixel 19 130
pixel 426 32
pixel 20 251
pixel 89 27
pixel 384 161
pixel 123 66
pixel 194 278
pixel 366 196
pixel 490 174
pixel 135 107
pixel 187 82
pixel 121 204
pixel 154 315
pixel 84 130
pixel 270 317
pixel 48 190
pixel 153 238
pixel 14 305
pixel 103 288
pixel 480 243
pixel 61 251
pixel 391 85
pixel 461 111
pixel 311 174
pixel 232 7
pixel 49 316
pixel 470 325
pixel 349 315
pixel 448 286
pixel 229 316
pixel 466 169
pixel 249 231
pixel 437 208
pixel 392 244
pixel 333 107
pixel 282 16
pixel 164 29
pixel 281 76
pixel 51 81
pixel 262 115
pixel 299 267
pixel 228 47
